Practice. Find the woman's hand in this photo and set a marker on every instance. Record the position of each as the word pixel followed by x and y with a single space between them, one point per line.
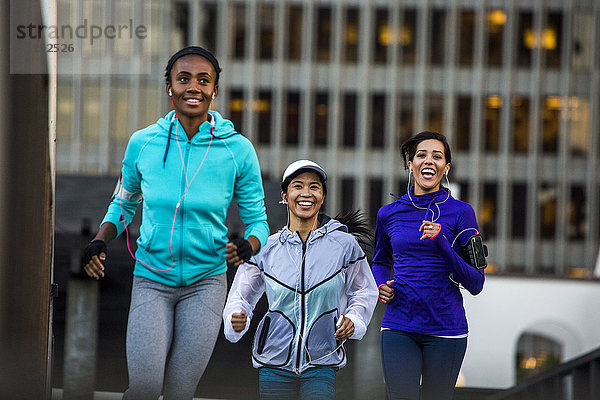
pixel 238 321
pixel 93 255
pixel 429 229
pixel 386 292
pixel 346 330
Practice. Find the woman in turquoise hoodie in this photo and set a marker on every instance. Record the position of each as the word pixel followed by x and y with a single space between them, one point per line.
pixel 185 169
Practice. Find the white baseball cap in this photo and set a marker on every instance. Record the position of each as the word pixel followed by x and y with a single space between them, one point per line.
pixel 298 167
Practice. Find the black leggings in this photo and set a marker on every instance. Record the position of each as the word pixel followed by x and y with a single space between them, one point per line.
pixel 411 358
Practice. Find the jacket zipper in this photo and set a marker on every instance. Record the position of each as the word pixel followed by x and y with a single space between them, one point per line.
pixel 181 208
pixel 303 306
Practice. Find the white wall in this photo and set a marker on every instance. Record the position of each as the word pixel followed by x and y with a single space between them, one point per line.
pixel 564 310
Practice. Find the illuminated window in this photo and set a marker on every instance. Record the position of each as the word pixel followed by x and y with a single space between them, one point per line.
pixel 294 33
pixel 496 20
pixel 292 118
pixel 266 35
pixel 322 37
pixel 536 353
pixel 383 35
pixel 377 120
pixel 466 38
pixel 520 126
pixel 320 118
pixel 463 123
pixel 349 120
pixel 578 124
pixel 352 35
pixel 493 107
pixel 525 40
pixel 263 107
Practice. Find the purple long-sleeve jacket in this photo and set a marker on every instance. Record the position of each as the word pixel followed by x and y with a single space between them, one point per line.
pixel 425 299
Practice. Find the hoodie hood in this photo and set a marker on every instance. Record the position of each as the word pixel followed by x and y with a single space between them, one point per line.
pixel 223 128
pixel 326 225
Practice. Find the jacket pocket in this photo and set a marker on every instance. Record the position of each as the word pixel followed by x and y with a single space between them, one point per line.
pixel 273 342
pixel 199 245
pixel 321 344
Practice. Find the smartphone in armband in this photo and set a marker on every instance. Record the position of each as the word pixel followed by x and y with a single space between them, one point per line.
pixel 474 252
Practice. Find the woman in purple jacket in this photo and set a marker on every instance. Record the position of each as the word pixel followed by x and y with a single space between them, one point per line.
pixel 419 272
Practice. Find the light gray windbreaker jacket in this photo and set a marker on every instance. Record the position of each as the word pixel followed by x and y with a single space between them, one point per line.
pixel 308 285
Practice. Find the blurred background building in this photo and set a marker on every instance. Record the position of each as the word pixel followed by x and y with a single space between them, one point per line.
pixel 515 85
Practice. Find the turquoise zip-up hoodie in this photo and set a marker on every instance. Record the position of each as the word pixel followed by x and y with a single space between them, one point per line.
pixel 178 248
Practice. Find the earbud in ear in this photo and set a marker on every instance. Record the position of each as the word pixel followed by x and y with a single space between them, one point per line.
pixel 170 93
pixel 213 96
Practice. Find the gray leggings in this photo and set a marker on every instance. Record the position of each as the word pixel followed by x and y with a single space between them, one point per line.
pixel 171 333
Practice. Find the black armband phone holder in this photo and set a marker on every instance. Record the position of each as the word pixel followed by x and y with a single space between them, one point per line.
pixel 474 252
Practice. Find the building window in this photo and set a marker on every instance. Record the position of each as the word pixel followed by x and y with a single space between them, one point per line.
pixel 408 37
pixel 180 25
pixel 547 208
pixel 405 128
pixel 551 39
pixel 493 108
pixel 294 33
pixel 578 225
pixel 435 114
pixel 463 123
pixel 347 189
pixel 519 210
pixel 550 124
pixel 536 353
pixel 320 119
pixel 496 20
pixel 377 120
pixel 466 38
pixel 526 39
pixel 520 126
pixel 292 118
pixel 266 34
pixel 489 210
pixel 351 35
pixel 239 31
pixel 322 37
pixel 264 109
pixel 349 120
pixel 236 108
pixel 437 37
pixel 578 124
pixel 375 200
pixel 582 52
pixel 383 35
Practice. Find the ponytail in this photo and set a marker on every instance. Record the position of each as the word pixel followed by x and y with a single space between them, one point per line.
pixel 358 226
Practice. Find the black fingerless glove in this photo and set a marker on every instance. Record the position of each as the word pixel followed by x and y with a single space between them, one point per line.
pixel 94 248
pixel 244 250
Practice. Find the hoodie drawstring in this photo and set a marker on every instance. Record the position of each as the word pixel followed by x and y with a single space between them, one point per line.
pixel 168 143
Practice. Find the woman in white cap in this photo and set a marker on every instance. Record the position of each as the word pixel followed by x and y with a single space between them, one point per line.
pixel 319 287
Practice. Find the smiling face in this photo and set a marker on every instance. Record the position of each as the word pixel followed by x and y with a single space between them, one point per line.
pixel 305 197
pixel 428 166
pixel 192 86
